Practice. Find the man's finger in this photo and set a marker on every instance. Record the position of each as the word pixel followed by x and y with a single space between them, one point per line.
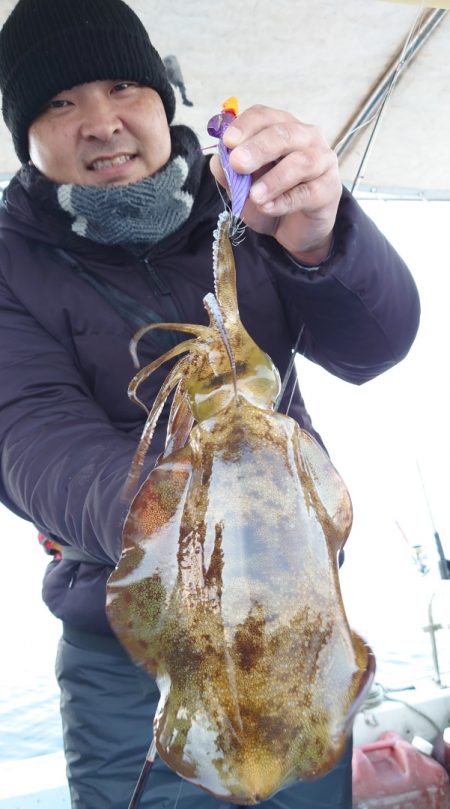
pixel 308 197
pixel 293 170
pixel 273 142
pixel 218 172
pixel 251 121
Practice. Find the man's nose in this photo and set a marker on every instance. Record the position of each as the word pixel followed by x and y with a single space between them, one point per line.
pixel 100 120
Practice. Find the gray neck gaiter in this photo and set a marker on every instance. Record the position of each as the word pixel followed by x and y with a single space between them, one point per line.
pixel 141 213
pixel 138 215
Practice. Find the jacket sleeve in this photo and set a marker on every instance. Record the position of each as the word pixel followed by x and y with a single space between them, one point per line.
pixel 361 309
pixel 63 464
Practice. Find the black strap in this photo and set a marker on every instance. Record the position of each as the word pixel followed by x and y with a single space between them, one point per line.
pixel 71 554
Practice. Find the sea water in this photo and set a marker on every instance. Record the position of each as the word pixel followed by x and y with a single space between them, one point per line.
pixel 29 718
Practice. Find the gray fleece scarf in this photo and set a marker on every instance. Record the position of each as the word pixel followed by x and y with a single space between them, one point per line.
pixel 140 214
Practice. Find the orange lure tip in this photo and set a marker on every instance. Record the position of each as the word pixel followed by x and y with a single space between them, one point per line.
pixel 231 105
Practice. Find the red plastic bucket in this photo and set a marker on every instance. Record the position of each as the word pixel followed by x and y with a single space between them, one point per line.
pixel 392 773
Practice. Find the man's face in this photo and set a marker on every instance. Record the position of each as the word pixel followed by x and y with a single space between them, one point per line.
pixel 101 133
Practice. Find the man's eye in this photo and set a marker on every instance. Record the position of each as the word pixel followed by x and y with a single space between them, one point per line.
pixel 123 85
pixel 58 103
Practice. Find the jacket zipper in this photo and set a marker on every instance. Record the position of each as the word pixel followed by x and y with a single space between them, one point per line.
pixel 157 283
pixel 159 287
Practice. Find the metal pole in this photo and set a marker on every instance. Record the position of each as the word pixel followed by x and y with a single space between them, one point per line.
pixel 432 628
pixel 371 103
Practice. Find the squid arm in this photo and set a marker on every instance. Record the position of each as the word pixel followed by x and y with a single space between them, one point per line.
pixel 145 372
pixel 180 422
pixel 175 376
pixel 188 328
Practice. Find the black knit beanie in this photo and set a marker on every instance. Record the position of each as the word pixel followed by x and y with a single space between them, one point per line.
pixel 47 46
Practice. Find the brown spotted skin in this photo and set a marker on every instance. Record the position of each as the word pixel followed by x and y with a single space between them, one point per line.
pixel 227 591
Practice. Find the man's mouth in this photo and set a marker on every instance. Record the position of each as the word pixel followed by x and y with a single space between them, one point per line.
pixel 109 162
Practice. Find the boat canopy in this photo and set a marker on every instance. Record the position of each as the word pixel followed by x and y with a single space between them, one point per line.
pixel 328 62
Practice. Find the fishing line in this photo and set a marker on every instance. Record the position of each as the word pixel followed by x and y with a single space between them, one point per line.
pixel 415 710
pixel 379 694
pixel 294 385
pixel 226 203
pixel 355 129
pixel 237 226
pixel 384 103
pixel 419 472
pixel 177 800
pixel 412 33
pixel 289 372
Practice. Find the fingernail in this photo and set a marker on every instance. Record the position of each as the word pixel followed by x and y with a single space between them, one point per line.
pixel 242 155
pixel 268 206
pixel 259 191
pixel 233 136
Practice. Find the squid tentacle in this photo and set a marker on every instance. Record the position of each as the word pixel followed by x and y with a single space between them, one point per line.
pixel 224 269
pixel 188 328
pixel 175 376
pixel 145 372
pixel 215 313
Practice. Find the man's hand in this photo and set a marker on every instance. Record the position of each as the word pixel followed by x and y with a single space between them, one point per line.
pixel 296 186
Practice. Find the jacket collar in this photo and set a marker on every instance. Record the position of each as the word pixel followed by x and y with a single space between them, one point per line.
pixel 27 211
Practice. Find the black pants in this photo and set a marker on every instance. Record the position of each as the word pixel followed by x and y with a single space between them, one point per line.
pixel 107 708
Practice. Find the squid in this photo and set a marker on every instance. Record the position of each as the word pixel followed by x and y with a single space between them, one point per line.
pixel 227 590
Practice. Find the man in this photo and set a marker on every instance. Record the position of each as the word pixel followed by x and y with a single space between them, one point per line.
pixel 107 227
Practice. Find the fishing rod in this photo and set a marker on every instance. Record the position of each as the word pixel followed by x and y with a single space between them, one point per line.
pixel 444 570
pixel 417 553
pixel 444 563
pixel 375 105
pixel 143 776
